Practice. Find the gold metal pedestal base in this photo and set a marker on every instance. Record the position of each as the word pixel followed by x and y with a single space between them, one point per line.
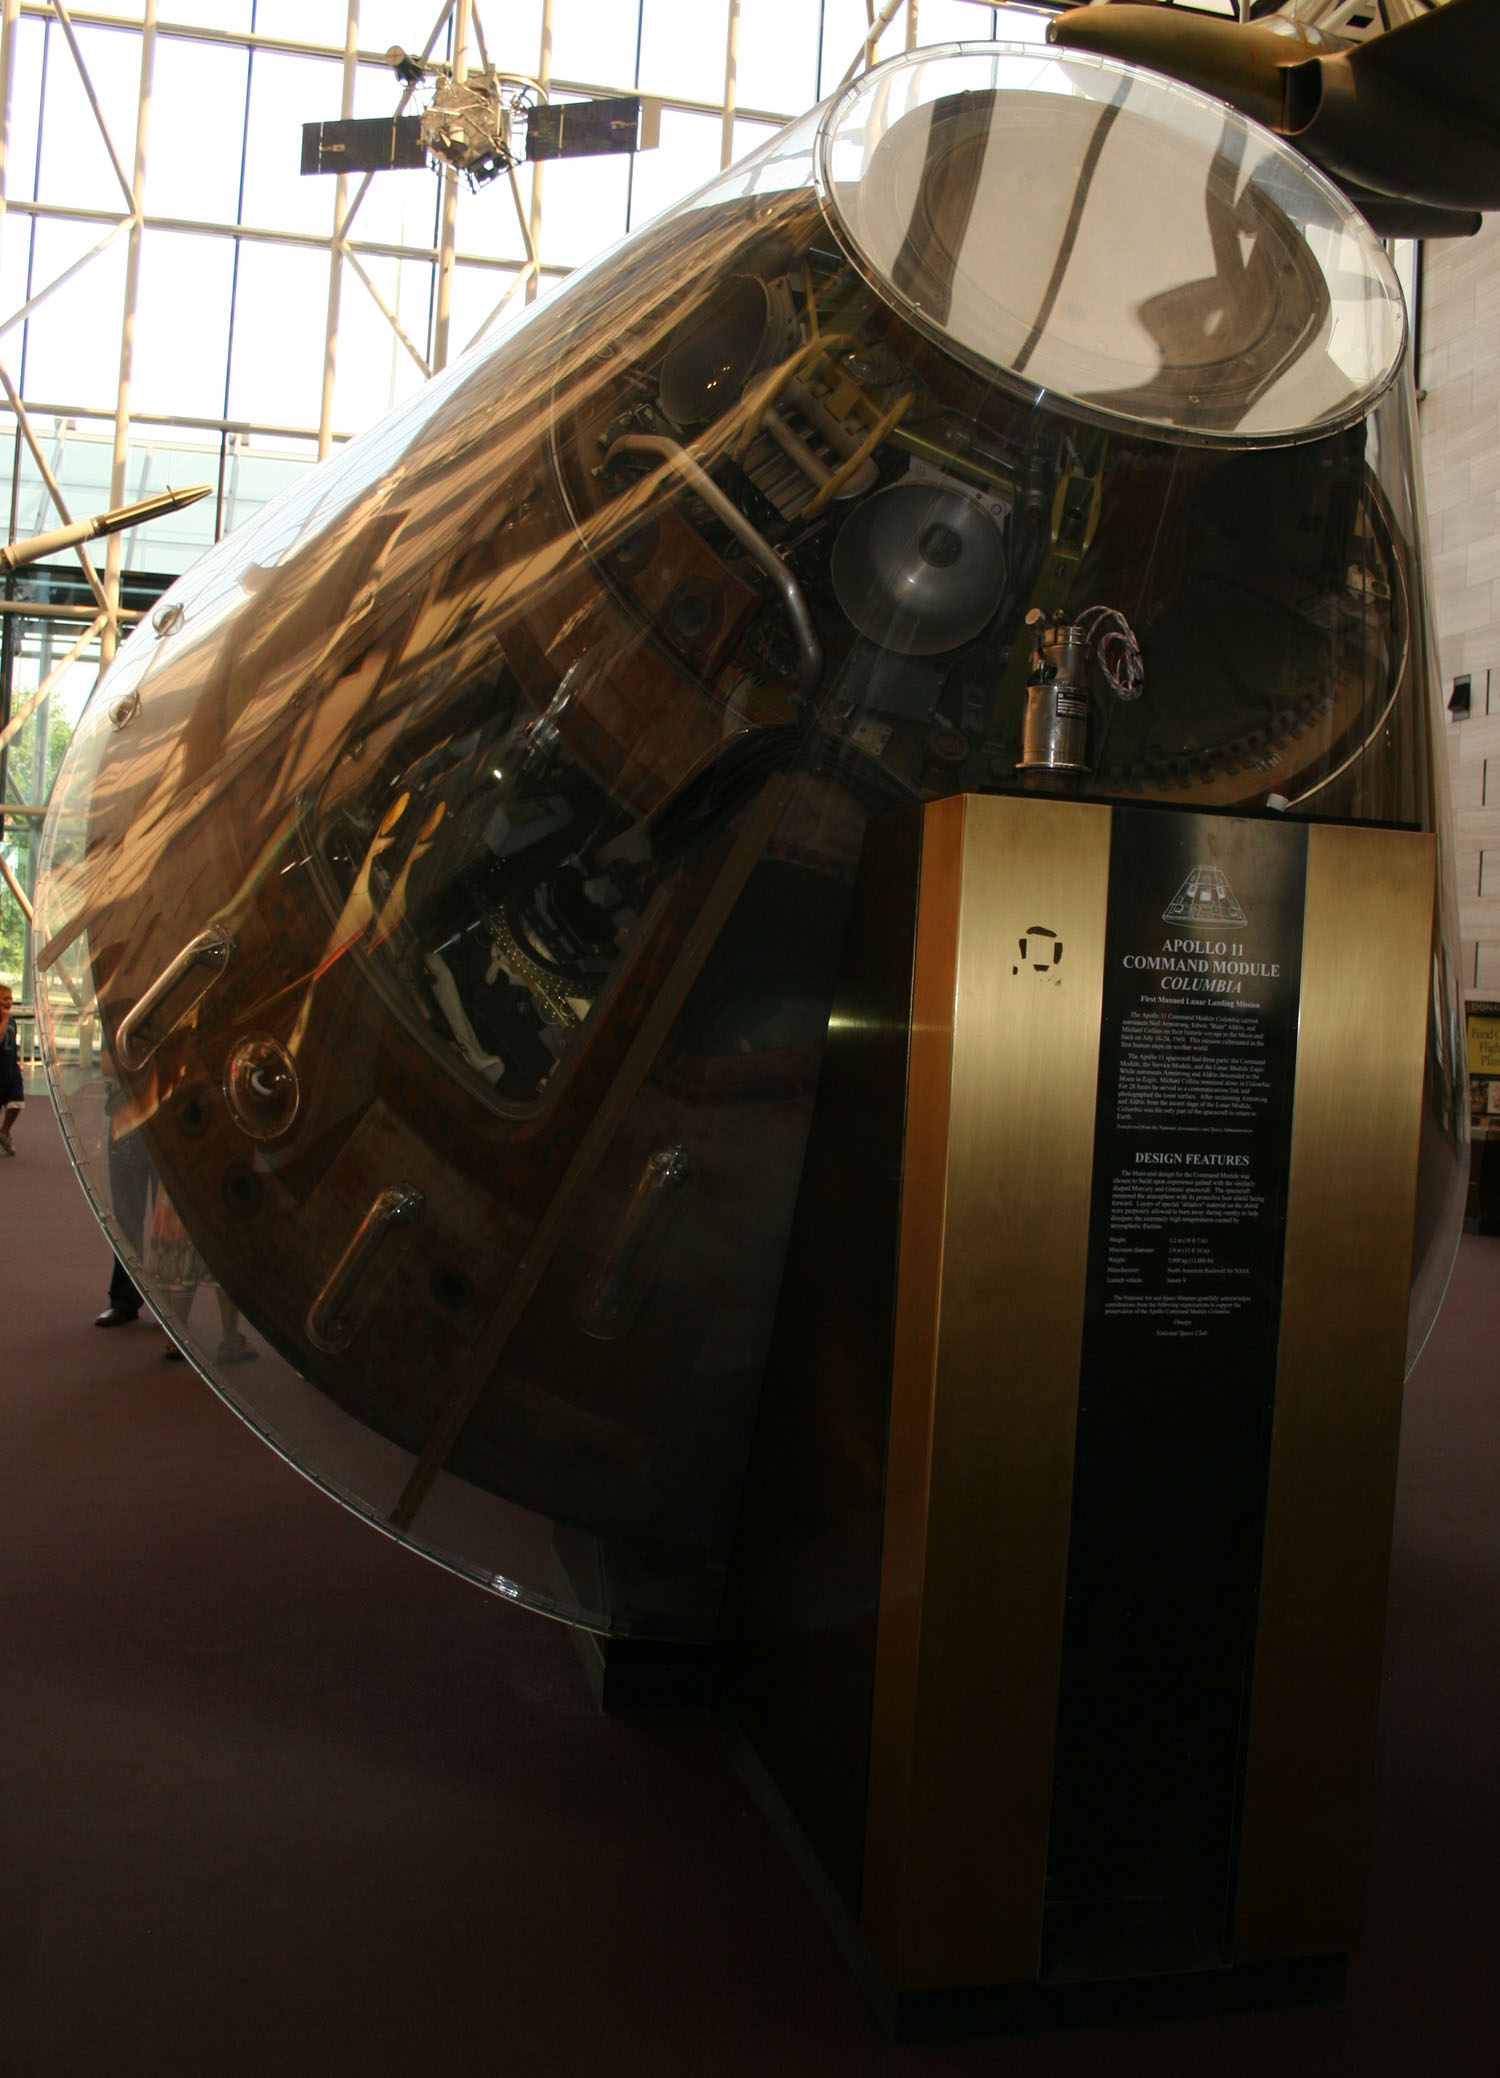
pixel 1058 1612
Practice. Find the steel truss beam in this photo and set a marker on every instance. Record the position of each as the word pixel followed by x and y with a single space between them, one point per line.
pixel 459 19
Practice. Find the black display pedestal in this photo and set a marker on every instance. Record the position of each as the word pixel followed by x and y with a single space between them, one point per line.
pixel 1054 1627
pixel 642 1674
pixel 954 2013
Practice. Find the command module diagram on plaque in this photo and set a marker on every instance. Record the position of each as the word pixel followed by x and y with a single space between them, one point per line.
pixel 1197 1059
pixel 1205 897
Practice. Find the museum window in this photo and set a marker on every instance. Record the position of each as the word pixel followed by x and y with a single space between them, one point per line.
pixel 151 191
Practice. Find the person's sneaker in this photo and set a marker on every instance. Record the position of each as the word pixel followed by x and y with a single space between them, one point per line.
pixel 114 1317
pixel 236 1349
pixel 5 1146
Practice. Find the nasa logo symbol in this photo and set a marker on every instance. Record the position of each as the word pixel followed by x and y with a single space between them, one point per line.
pixel 1041 950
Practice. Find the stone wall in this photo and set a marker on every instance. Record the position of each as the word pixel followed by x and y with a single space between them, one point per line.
pixel 1460 416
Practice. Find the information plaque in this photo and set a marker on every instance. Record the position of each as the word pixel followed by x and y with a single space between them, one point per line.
pixel 1054 1630
pixel 1192 1138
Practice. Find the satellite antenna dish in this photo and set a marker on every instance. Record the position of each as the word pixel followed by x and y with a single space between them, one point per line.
pixel 919 568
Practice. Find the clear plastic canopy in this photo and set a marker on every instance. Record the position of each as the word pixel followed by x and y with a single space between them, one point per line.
pixel 1140 250
pixel 446 890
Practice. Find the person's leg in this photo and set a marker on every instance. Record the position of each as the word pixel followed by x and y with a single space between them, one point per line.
pixel 234 1346
pixel 179 1306
pixel 12 1113
pixel 124 1299
pixel 129 1187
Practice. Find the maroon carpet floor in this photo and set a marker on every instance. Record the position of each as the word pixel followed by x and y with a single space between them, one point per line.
pixel 276 1797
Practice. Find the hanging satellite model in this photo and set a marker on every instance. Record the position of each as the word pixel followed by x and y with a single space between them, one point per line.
pixel 479 122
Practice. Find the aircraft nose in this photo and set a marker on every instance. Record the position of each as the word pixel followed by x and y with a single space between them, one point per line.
pixel 1218 56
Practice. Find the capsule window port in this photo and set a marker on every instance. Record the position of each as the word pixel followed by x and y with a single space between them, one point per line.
pixel 633 551
pixel 694 611
pixel 193 1115
pixel 260 1087
pixel 450 1288
pixel 241 1188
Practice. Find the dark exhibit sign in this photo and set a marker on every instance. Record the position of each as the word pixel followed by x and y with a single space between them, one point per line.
pixel 1197 1051
pixel 1197 1056
pixel 1060 1652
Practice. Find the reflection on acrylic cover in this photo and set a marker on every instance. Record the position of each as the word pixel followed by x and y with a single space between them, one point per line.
pixel 458 866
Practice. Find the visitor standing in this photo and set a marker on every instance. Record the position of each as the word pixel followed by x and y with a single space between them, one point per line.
pixel 12 1087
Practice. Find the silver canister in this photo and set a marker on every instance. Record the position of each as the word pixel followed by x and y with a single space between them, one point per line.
pixel 1055 732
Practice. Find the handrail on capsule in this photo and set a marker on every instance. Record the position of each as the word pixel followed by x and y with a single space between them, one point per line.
pixel 211 948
